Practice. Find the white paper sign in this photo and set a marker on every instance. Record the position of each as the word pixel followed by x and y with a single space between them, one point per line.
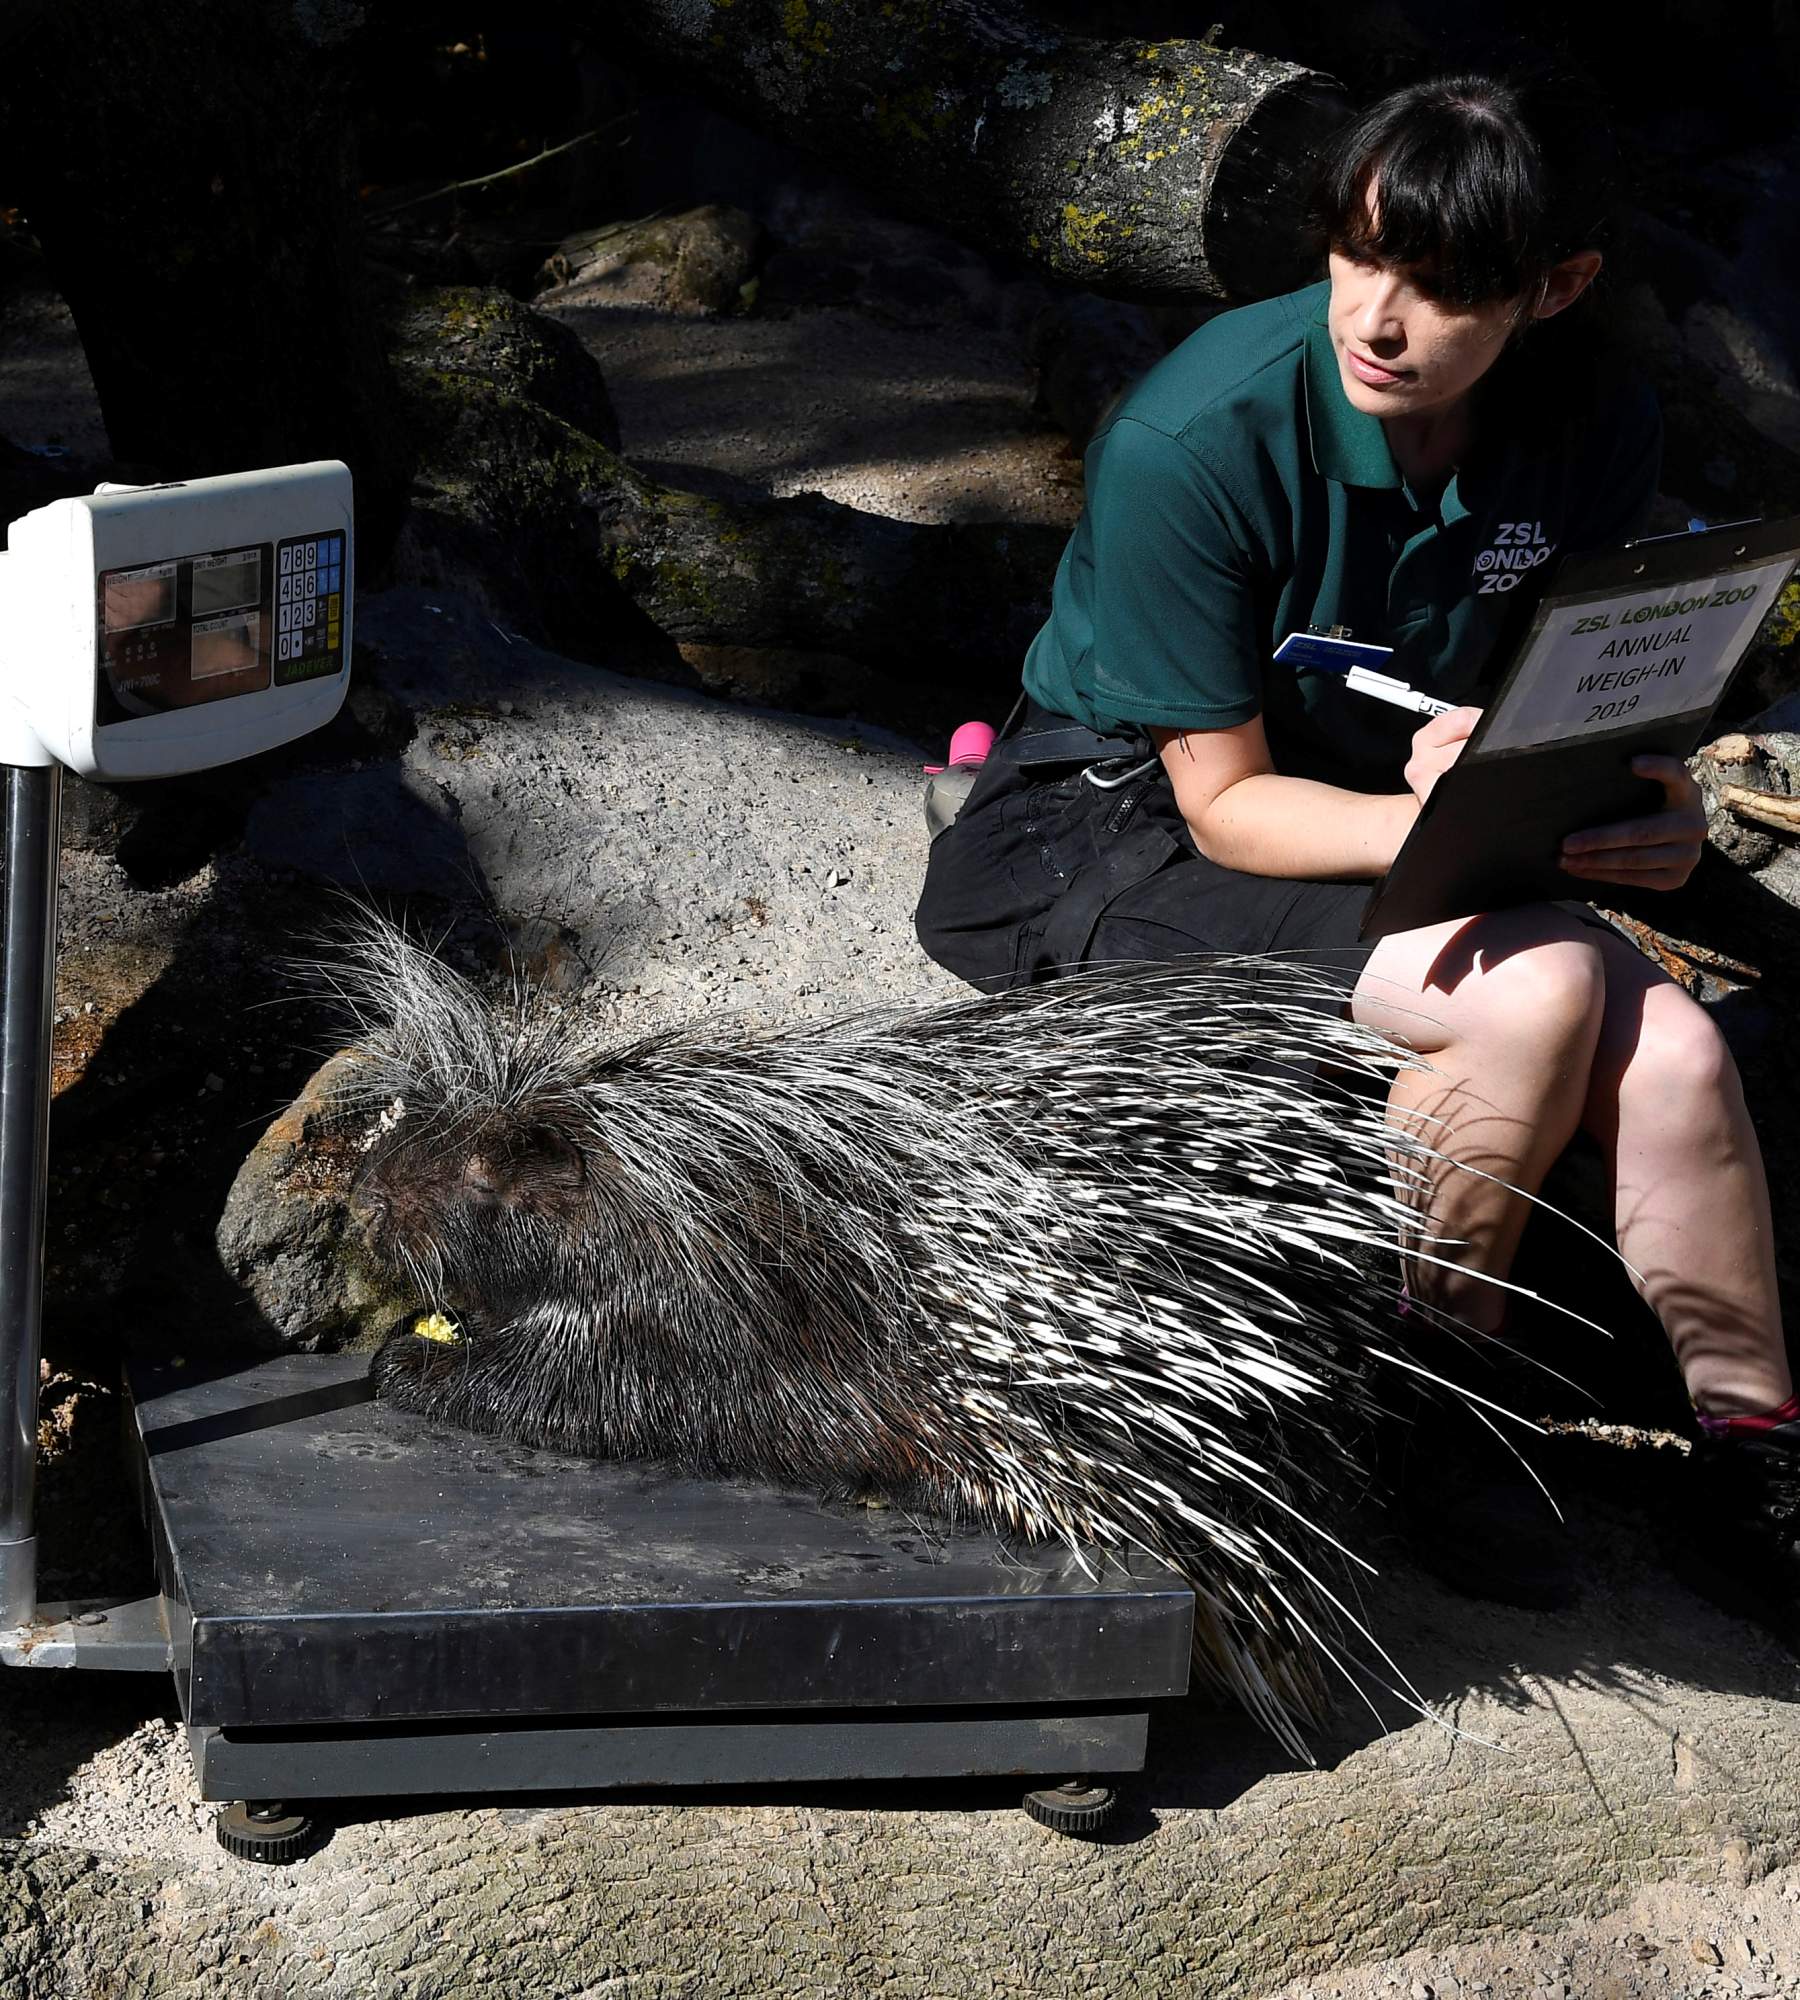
pixel 1615 661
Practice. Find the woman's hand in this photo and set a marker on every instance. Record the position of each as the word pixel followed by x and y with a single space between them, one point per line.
pixel 1436 747
pixel 1656 852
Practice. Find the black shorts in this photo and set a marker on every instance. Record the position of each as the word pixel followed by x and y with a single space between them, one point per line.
pixel 1044 870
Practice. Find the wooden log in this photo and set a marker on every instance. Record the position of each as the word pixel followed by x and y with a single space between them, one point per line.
pixel 1766 808
pixel 1143 169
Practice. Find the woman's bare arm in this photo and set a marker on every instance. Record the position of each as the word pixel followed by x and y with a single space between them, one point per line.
pixel 1244 815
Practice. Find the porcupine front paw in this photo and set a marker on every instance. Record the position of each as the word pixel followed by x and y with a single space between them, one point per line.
pixel 418 1360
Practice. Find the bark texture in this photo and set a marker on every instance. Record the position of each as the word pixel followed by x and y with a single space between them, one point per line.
pixel 1151 170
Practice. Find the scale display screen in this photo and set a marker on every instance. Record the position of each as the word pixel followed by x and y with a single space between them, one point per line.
pixel 205 627
pixel 133 597
pixel 225 583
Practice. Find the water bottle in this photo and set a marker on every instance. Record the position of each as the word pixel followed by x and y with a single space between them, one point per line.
pixel 947 785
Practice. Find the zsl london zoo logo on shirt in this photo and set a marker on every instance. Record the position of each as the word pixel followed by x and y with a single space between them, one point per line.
pixel 1517 548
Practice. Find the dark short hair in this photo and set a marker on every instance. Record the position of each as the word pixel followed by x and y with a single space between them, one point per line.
pixel 1483 184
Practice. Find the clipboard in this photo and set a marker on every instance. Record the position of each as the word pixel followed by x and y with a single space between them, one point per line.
pixel 1629 652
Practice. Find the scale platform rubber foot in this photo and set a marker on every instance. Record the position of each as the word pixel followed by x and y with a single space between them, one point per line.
pixel 1077 1807
pixel 265 1831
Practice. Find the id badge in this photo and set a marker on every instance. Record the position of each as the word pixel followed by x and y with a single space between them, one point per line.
pixel 1317 653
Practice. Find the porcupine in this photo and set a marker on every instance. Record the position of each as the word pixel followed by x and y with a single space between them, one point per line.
pixel 1089 1262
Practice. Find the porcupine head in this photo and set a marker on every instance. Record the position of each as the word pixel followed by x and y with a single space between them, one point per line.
pixel 607 1259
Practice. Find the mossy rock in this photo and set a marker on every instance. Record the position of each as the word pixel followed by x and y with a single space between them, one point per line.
pixel 487 337
pixel 515 462
pixel 519 507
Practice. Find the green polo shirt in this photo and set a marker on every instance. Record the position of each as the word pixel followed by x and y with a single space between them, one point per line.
pixel 1235 495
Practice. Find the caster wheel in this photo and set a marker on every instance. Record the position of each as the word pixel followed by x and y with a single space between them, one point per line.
pixel 263 1830
pixel 1078 1807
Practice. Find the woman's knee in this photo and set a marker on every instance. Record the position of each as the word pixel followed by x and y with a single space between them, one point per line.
pixel 1673 1056
pixel 1502 983
pixel 1556 989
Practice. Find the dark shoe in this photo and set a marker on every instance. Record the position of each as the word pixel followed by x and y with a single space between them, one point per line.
pixel 1472 1517
pixel 1737 1542
pixel 1496 1542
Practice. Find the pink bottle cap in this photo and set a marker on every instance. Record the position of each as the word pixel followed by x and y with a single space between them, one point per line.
pixel 971 743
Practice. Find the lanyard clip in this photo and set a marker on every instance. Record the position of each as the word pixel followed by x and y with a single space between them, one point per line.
pixel 1114 779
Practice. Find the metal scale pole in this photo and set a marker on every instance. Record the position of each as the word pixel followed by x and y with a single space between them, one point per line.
pixel 27 987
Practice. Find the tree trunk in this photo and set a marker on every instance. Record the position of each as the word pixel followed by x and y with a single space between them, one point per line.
pixel 192 184
pixel 1150 170
pixel 20 18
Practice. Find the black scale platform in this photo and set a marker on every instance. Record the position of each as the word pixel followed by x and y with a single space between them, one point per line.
pixel 362 1603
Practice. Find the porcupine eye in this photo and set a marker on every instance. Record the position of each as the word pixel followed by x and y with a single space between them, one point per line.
pixel 529 1169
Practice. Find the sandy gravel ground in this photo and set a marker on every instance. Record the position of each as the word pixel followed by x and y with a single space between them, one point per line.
pixel 884 418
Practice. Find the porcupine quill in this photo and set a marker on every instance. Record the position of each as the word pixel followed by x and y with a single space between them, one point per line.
pixel 1112 1261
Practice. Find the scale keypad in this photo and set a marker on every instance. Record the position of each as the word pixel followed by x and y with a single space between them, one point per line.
pixel 309 607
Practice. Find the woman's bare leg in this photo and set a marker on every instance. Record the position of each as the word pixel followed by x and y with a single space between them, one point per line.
pixel 1535 1024
pixel 1508 1010
pixel 1690 1195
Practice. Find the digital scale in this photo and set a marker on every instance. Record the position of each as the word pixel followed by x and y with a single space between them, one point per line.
pixel 354 1603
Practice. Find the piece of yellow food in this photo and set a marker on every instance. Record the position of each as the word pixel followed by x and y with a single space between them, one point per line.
pixel 437 1326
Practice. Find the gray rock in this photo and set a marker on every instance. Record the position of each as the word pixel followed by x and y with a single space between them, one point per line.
pixel 1730 446
pixel 831 250
pixel 1737 349
pixel 1748 369
pixel 1088 352
pixel 670 853
pixel 285 1237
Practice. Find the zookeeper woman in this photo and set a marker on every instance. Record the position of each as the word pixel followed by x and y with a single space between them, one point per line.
pixel 1396 451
